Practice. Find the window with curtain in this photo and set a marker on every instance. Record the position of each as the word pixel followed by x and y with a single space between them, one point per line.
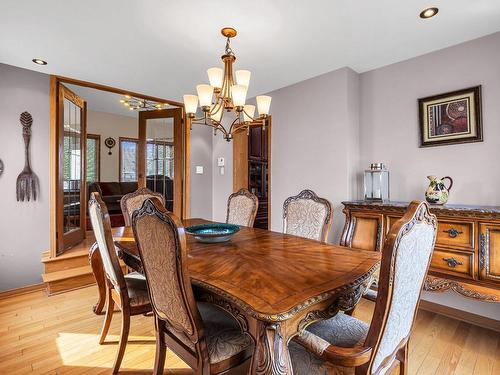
pixel 93 157
pixel 128 159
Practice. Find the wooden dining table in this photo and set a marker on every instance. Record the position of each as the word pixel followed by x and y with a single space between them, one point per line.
pixel 273 284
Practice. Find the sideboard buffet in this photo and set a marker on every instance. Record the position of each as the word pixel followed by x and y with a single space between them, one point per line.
pixel 466 257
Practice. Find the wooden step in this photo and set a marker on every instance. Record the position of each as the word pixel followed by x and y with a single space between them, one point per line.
pixel 68 279
pixel 73 259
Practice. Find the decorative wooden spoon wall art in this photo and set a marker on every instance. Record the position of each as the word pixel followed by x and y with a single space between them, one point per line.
pixel 27 184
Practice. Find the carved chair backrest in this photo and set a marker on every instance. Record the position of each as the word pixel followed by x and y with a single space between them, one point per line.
pixel 161 242
pixel 101 226
pixel 241 208
pixel 405 260
pixel 307 215
pixel 133 201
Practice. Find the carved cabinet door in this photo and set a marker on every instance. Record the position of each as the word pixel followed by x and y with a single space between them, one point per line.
pixel 364 231
pixel 489 252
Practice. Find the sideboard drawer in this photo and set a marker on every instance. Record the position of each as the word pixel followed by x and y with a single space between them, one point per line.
pixel 453 263
pixel 456 234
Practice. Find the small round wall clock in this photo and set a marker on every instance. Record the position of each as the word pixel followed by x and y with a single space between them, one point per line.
pixel 109 143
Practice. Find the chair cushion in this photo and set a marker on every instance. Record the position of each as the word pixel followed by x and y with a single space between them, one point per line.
pixel 137 289
pixel 223 334
pixel 341 330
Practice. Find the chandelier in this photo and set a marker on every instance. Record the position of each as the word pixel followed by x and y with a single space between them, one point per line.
pixel 224 95
pixel 139 104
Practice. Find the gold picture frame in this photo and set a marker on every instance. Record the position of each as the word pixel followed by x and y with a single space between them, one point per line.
pixel 451 118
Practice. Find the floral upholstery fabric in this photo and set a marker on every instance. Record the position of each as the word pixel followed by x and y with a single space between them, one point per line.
pixel 137 289
pixel 412 258
pixel 341 330
pixel 241 210
pixel 305 218
pixel 159 252
pixel 223 334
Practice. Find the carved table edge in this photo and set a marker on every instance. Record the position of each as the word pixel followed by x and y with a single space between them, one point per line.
pixel 340 291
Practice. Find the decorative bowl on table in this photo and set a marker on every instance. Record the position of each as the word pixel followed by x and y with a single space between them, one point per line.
pixel 211 233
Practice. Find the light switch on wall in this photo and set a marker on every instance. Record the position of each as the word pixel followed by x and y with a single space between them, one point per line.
pixel 199 169
pixel 222 170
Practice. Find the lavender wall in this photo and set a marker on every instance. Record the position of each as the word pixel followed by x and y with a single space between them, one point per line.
pixel 389 132
pixel 389 122
pixel 201 184
pixel 24 226
pixel 315 142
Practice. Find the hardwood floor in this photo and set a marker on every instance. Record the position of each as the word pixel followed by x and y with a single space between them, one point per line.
pixel 59 335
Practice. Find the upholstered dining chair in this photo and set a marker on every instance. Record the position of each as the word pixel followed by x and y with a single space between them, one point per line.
pixel 133 201
pixel 242 208
pixel 307 215
pixel 206 337
pixel 345 345
pixel 129 292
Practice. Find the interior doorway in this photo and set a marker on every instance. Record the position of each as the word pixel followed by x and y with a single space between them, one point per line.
pixel 148 148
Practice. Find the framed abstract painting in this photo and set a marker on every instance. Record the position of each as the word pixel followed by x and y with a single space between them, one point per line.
pixel 454 117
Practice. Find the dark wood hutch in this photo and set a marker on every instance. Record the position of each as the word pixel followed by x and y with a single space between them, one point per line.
pixel 251 168
pixel 258 173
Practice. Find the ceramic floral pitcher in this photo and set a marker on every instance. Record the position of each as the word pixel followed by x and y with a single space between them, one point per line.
pixel 437 192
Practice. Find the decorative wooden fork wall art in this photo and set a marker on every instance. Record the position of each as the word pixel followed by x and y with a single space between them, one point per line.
pixel 27 184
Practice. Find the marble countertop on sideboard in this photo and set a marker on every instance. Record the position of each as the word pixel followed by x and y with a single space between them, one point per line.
pixel 434 207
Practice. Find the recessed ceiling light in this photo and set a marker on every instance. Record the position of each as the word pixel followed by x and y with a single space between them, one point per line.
pixel 429 13
pixel 39 61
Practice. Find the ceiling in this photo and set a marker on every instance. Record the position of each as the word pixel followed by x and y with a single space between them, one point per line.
pixel 163 48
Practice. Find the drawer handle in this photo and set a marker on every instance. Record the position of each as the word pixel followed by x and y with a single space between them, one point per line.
pixel 452 262
pixel 452 232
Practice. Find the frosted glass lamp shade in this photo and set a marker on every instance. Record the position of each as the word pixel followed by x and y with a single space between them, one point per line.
pixel 216 115
pixel 248 112
pixel 190 103
pixel 215 76
pixel 243 77
pixel 205 93
pixel 263 104
pixel 239 94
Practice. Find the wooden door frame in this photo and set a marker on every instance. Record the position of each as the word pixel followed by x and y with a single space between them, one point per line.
pixel 240 163
pixel 55 81
pixel 176 115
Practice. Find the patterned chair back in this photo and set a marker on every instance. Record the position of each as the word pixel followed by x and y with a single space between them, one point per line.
pixel 101 226
pixel 405 260
pixel 307 215
pixel 133 201
pixel 241 208
pixel 161 241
